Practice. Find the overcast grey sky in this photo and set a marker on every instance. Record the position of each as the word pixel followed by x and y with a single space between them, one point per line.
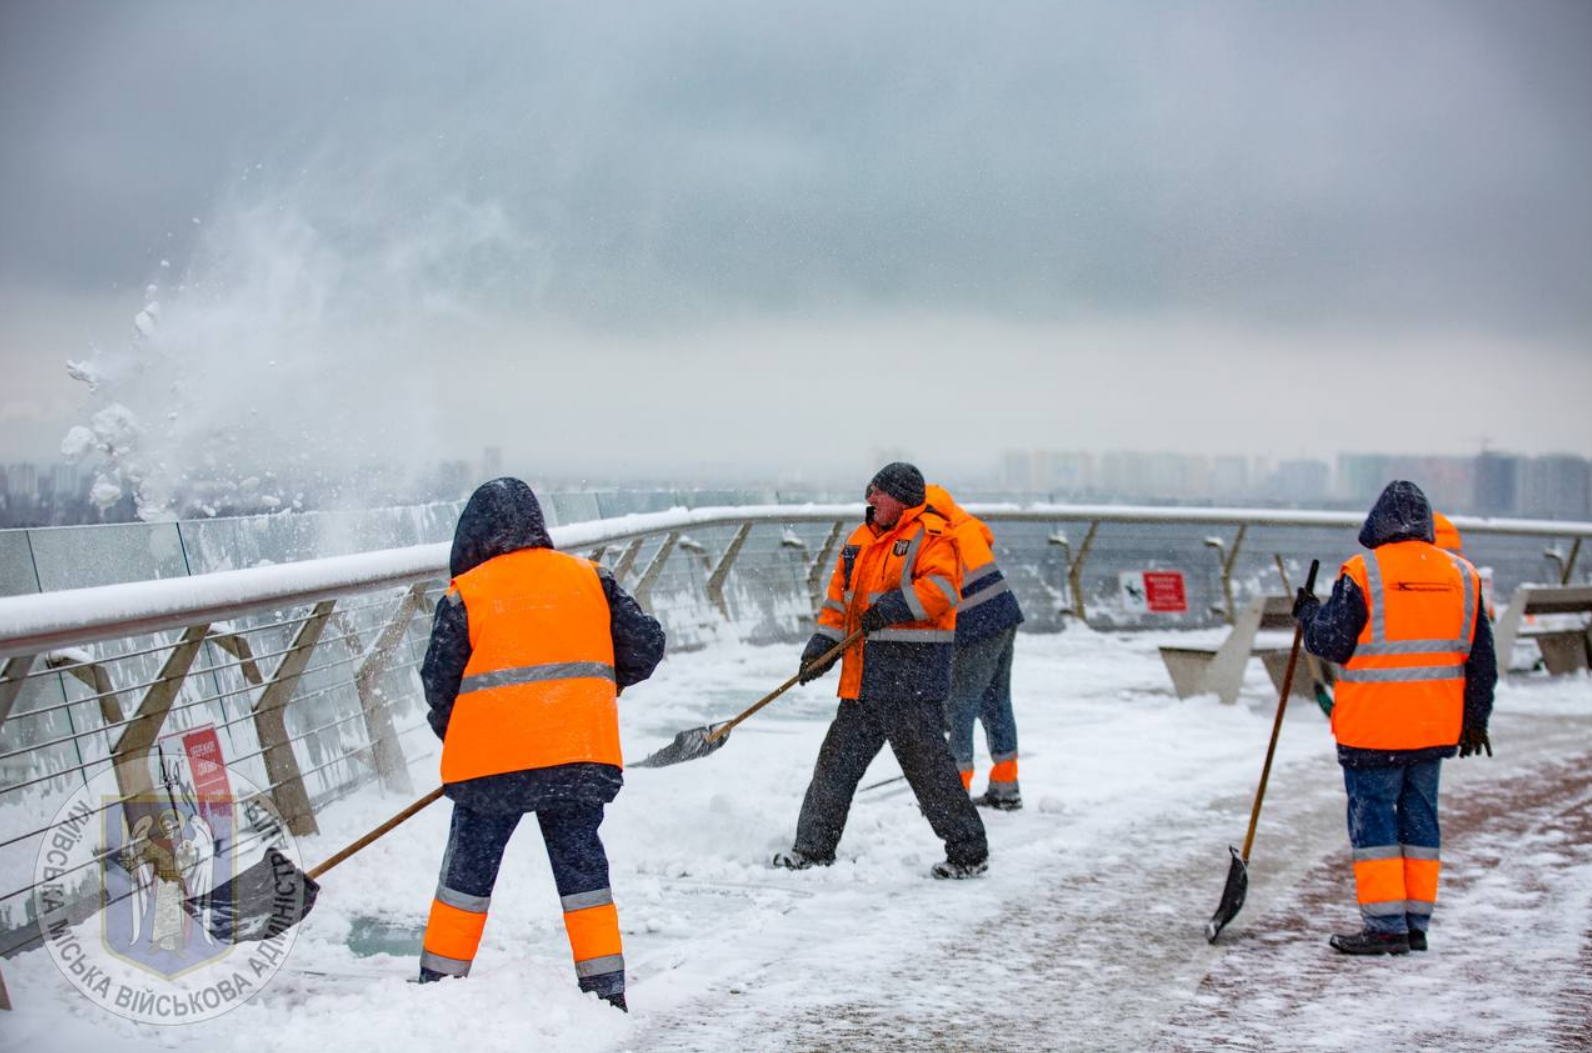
pixel 700 235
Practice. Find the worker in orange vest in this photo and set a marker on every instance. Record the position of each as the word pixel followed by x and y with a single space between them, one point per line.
pixel 981 681
pixel 898 578
pixel 1405 621
pixel 529 649
pixel 1447 537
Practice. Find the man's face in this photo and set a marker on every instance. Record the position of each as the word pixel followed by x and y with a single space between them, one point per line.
pixel 886 509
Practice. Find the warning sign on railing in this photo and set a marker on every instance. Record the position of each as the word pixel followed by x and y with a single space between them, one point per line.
pixel 1153 591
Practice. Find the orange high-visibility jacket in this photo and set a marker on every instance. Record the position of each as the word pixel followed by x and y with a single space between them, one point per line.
pixel 1404 686
pixel 539 687
pixel 916 560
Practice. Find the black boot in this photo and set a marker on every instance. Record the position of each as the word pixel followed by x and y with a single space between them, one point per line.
pixel 1008 803
pixel 617 1001
pixel 796 859
pixel 949 871
pixel 1368 942
pixel 1417 940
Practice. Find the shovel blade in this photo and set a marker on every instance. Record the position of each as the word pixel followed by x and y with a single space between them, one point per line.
pixel 261 902
pixel 687 746
pixel 1232 897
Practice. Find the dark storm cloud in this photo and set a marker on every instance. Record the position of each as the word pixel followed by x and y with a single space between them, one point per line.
pixel 1410 162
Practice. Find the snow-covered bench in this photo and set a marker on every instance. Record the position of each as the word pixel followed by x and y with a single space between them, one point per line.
pixel 1565 647
pixel 1219 671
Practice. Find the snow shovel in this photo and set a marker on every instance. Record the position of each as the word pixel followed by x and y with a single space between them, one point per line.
pixel 274 895
pixel 1238 873
pixel 699 742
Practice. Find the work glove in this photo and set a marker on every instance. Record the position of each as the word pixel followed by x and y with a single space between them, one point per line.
pixel 873 619
pixel 1305 606
pixel 1472 741
pixel 810 669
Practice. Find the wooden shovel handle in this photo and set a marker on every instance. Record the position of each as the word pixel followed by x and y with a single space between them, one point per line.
pixel 834 652
pixel 428 799
pixel 1276 725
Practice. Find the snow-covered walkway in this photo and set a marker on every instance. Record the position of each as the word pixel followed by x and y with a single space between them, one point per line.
pixel 1085 935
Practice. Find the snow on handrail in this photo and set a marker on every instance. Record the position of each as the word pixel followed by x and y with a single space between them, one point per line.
pixel 32 624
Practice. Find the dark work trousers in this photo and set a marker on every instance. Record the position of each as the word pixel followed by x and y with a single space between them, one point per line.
pixel 860 729
pixel 477 840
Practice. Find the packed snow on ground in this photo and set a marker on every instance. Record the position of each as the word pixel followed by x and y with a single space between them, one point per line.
pixel 1085 934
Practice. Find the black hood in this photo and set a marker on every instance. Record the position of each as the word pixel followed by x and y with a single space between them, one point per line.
pixel 502 516
pixel 1402 513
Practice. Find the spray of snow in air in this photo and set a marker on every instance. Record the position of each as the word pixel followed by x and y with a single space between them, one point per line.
pixel 302 343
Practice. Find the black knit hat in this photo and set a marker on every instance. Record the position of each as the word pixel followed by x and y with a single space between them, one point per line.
pixel 901 481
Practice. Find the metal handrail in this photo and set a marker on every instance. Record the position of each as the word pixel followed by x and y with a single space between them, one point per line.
pixel 33 624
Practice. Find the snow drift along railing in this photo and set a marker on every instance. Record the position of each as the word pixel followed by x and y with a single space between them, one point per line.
pixel 307 668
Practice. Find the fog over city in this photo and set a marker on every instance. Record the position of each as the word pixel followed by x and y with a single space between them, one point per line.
pixel 700 242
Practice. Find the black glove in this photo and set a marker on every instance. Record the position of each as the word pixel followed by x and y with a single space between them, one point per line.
pixel 811 669
pixel 1305 606
pixel 1472 741
pixel 873 619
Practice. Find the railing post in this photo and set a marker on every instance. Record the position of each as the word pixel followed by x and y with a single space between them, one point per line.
pixel 1059 540
pixel 270 725
pixel 97 678
pixel 5 997
pixel 385 751
pixel 130 754
pixel 1228 562
pixel 1075 573
pixel 816 585
pixel 649 577
pixel 1569 564
pixel 627 559
pixel 721 572
pixel 12 677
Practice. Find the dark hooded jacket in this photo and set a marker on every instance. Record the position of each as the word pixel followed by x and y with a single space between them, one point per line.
pixel 1332 630
pixel 503 516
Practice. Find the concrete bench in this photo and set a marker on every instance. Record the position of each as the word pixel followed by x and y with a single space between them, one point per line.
pixel 1219 670
pixel 1565 649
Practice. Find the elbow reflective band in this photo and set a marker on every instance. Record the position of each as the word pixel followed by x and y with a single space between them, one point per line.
pixel 829 632
pixel 838 608
pixel 977 573
pixel 984 595
pixel 947 588
pixel 535 674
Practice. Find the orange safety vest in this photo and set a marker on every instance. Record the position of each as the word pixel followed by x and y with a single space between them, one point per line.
pixel 917 557
pixel 1404 686
pixel 539 687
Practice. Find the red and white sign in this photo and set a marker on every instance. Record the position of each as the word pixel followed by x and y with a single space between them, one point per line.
pixel 1154 591
pixel 202 782
pixel 1164 592
pixel 203 748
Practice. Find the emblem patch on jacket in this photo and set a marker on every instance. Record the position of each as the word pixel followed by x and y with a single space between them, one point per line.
pixel 902 546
